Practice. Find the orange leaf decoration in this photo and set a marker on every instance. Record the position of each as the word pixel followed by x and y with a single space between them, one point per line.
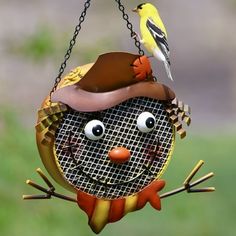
pixel 142 68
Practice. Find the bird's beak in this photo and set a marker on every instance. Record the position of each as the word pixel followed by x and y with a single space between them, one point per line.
pixel 135 10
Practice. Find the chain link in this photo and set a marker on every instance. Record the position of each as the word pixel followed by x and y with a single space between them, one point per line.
pixel 72 44
pixel 130 27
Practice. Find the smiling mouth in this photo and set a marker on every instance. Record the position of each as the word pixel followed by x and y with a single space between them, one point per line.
pixel 146 169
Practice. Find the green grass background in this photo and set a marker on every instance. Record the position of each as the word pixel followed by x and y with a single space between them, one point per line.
pixel 208 214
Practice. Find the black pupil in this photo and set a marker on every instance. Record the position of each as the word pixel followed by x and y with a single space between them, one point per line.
pixel 97 130
pixel 150 122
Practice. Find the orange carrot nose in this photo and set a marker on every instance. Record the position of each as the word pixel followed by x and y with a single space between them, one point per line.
pixel 119 155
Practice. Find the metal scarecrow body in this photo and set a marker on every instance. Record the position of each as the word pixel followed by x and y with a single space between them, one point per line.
pixel 106 133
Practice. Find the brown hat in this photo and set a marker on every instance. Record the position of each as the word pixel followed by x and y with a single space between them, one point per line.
pixel 116 70
pixel 114 78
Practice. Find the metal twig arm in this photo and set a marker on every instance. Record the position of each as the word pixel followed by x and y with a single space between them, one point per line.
pixel 188 186
pixel 49 193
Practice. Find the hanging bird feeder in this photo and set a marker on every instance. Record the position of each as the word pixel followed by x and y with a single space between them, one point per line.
pixel 106 132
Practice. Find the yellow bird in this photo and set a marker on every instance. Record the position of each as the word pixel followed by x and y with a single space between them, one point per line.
pixel 153 33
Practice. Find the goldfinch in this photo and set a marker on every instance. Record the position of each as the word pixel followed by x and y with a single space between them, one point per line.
pixel 154 35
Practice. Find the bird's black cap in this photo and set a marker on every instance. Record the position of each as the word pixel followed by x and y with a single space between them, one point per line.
pixel 140 6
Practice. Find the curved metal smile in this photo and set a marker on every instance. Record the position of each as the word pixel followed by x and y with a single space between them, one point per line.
pixel 146 169
pixel 106 183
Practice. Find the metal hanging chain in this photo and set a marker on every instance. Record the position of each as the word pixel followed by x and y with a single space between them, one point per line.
pixel 76 32
pixel 72 44
pixel 130 27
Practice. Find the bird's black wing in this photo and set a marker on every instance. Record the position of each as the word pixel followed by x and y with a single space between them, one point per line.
pixel 159 37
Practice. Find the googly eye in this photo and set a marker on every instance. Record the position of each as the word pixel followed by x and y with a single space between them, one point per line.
pixel 146 122
pixel 94 130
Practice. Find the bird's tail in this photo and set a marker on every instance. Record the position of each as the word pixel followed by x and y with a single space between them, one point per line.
pixel 168 71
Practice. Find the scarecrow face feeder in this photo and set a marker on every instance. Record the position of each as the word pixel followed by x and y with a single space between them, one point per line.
pixel 119 141
pixel 107 134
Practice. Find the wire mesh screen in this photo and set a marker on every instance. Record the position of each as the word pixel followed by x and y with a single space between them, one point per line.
pixel 85 163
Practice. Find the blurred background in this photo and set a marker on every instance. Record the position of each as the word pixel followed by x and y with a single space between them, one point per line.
pixel 34 36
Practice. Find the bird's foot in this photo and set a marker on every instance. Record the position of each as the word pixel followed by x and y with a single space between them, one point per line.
pixel 137 36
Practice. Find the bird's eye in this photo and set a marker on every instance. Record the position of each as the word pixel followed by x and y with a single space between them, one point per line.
pixel 94 130
pixel 146 122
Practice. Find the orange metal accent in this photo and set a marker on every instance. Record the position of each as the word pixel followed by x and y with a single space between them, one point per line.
pixel 116 210
pixel 101 212
pixel 142 68
pixel 149 194
pixel 86 202
pixel 119 155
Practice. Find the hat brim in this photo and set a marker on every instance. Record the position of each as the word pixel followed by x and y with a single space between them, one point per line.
pixel 84 101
